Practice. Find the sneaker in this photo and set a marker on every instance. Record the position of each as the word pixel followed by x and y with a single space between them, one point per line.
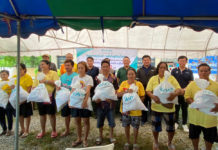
pixel 176 126
pixel 185 128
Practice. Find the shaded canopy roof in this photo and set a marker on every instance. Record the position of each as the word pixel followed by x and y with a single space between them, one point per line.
pixel 162 41
pixel 37 16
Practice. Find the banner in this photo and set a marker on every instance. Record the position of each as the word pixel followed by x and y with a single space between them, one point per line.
pixel 115 55
pixel 210 60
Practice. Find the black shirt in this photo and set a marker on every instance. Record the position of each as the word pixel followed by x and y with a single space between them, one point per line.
pixel 93 73
pixel 183 77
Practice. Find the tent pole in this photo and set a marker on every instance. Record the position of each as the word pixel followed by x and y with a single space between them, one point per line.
pixel 16 143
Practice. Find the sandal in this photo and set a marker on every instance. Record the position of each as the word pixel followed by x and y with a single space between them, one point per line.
pixel 54 134
pixel 171 147
pixel 112 140
pixel 98 141
pixel 85 144
pixel 74 144
pixel 21 133
pixel 25 134
pixel 126 146
pixel 135 147
pixel 155 146
pixel 65 134
pixel 40 135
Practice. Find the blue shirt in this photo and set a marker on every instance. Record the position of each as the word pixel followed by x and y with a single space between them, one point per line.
pixel 66 80
pixel 183 77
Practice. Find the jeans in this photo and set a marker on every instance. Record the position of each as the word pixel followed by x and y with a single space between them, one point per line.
pixel 109 114
pixel 184 107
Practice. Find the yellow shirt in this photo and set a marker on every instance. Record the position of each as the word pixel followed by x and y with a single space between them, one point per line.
pixel 6 88
pixel 51 75
pixel 195 116
pixel 62 69
pixel 152 84
pixel 26 81
pixel 141 92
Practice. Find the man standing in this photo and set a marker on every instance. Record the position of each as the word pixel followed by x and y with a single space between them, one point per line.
pixel 66 80
pixel 105 109
pixel 93 72
pixel 121 74
pixel 143 75
pixel 184 76
pixel 52 66
pixel 69 56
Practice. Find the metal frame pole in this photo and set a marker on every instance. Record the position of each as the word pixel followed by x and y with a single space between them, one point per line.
pixel 16 141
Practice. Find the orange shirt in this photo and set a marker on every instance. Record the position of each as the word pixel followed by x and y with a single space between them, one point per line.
pixel 63 71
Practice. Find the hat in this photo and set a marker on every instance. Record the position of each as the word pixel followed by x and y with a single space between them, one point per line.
pixel 45 55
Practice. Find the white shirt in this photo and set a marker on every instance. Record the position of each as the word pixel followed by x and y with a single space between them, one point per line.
pixel 85 81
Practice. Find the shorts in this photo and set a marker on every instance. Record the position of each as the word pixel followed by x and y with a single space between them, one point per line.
pixel 26 110
pixel 134 121
pixel 65 111
pixel 169 118
pixel 49 109
pixel 102 113
pixel 82 113
pixel 210 134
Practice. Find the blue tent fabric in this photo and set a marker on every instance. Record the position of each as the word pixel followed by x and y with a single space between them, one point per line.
pixel 26 7
pixel 149 8
pixel 178 8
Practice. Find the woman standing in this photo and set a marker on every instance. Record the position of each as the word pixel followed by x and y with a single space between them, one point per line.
pixel 159 110
pixel 9 111
pixel 47 108
pixel 132 118
pixel 82 114
pixel 26 110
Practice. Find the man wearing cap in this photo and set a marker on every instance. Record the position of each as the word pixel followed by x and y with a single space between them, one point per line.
pixel 52 66
pixel 69 56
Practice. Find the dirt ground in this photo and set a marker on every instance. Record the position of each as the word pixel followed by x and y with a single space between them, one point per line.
pixel 181 140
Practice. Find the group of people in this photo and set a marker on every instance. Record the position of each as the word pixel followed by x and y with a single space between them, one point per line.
pixel 146 78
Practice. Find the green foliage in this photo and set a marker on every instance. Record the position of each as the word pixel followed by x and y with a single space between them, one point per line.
pixel 10 61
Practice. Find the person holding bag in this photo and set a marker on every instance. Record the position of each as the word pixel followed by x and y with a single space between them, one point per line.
pixel 160 110
pixel 132 118
pixel 9 110
pixel 26 110
pixel 44 107
pixel 84 112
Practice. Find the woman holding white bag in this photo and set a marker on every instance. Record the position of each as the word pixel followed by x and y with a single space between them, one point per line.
pixel 26 110
pixel 159 110
pixel 47 108
pixel 132 118
pixel 83 113
pixel 200 121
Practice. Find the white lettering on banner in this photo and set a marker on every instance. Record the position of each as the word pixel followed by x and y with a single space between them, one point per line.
pixel 115 56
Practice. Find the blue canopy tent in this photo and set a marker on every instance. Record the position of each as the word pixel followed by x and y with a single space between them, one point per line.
pixel 24 17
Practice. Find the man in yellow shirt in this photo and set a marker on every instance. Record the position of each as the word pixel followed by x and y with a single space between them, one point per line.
pixel 69 56
pixel 199 121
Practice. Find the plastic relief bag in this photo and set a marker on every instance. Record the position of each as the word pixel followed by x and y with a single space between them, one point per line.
pixel 204 99
pixel 58 83
pixel 13 97
pixel 77 97
pixel 11 81
pixel 4 97
pixel 104 90
pixel 62 97
pixel 39 94
pixel 131 101
pixel 40 76
pixel 164 89
pixel 2 83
